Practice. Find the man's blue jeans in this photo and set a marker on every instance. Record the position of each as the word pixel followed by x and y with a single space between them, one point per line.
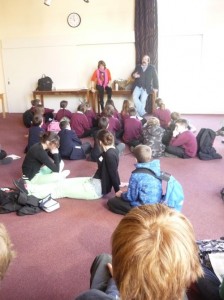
pixel 139 97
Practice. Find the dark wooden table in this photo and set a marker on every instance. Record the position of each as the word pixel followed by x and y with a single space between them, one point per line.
pixel 82 92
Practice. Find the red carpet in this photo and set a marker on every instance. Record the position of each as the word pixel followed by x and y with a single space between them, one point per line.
pixel 55 250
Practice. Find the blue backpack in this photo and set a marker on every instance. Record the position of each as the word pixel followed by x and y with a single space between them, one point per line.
pixel 174 196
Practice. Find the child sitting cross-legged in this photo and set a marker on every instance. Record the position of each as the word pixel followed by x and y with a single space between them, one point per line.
pixel 152 134
pixel 114 124
pixel 168 133
pixel 80 123
pixel 91 116
pixel 63 112
pixel 162 113
pixel 35 131
pixel 125 110
pixel 97 149
pixel 143 188
pixel 71 146
pixel 183 143
pixel 116 113
pixel 132 129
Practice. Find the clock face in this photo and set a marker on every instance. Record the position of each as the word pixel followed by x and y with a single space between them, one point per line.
pixel 74 20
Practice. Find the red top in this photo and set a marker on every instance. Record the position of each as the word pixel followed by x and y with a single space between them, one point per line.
pixel 94 76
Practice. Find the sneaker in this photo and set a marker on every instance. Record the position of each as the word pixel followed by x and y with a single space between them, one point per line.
pixel 166 154
pixel 6 161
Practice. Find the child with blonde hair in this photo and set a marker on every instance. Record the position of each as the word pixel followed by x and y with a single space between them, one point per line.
pixel 6 251
pixel 143 187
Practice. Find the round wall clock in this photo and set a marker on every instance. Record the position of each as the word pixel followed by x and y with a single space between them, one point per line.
pixel 74 20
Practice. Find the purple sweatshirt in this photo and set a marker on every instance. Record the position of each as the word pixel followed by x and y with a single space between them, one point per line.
pixel 132 129
pixel 79 123
pixel 91 116
pixel 163 115
pixel 186 140
pixel 114 125
pixel 63 113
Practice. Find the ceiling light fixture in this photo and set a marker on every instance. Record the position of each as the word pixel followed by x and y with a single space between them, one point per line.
pixel 47 2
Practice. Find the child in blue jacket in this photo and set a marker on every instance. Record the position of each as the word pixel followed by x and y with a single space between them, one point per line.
pixel 143 187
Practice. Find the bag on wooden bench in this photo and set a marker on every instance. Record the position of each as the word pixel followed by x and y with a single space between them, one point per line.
pixel 44 83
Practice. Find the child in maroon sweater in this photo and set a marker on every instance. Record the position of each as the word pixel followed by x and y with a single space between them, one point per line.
pixel 116 113
pixel 63 112
pixel 162 113
pixel 132 129
pixel 80 123
pixel 183 143
pixel 125 110
pixel 91 115
pixel 114 124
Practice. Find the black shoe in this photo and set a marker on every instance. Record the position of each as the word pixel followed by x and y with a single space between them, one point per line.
pixel 6 161
pixel 21 185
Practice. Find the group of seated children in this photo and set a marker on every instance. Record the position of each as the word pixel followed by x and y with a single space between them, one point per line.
pixel 165 132
pixel 143 188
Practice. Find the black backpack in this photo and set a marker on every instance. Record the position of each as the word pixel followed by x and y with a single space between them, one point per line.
pixel 44 83
pixel 9 200
pixel 205 139
pixel 14 200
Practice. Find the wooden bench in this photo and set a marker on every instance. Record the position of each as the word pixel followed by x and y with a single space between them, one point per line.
pixel 82 92
pixel 126 93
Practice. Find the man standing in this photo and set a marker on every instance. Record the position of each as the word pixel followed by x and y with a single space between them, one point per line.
pixel 146 80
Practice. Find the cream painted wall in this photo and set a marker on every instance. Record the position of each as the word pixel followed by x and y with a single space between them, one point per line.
pixel 38 40
pixel 191 51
